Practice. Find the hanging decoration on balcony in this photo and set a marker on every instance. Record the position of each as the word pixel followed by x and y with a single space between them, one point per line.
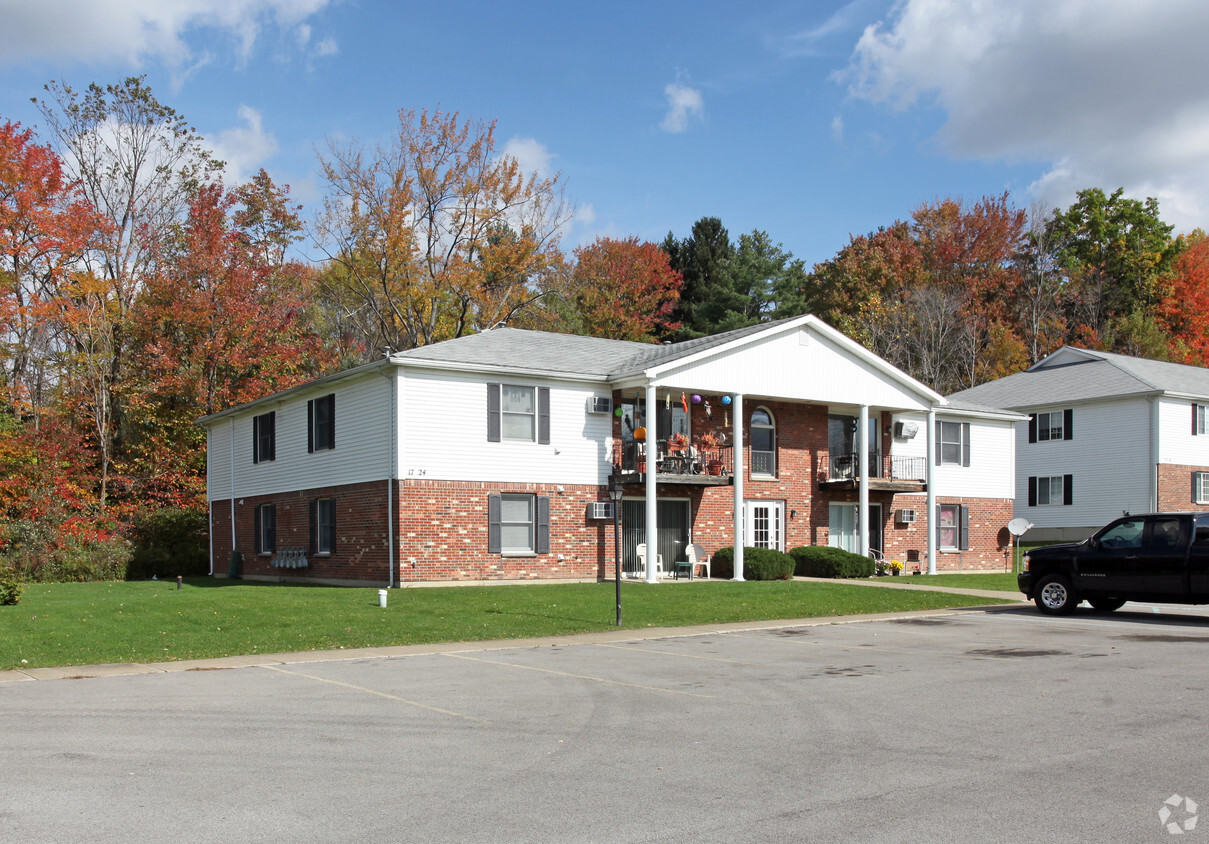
pixel 696 398
pixel 667 400
pixel 726 399
pixel 684 402
pixel 709 411
pixel 726 419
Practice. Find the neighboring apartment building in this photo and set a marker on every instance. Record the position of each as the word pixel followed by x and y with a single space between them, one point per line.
pixel 1106 434
pixel 489 457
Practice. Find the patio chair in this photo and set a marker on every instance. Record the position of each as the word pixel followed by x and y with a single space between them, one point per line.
pixel 641 552
pixel 696 557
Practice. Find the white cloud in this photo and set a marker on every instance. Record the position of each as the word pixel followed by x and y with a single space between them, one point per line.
pixel 837 128
pixel 244 148
pixel 1104 94
pixel 138 31
pixel 683 103
pixel 327 47
pixel 812 40
pixel 532 156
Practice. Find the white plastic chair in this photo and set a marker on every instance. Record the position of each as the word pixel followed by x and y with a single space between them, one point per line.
pixel 641 552
pixel 696 557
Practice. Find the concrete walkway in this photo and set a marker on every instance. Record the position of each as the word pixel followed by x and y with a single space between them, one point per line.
pixel 77 672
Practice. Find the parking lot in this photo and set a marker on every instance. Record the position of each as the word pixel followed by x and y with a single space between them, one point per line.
pixel 951 726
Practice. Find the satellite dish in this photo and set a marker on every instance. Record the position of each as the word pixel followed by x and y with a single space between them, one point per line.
pixel 1017 527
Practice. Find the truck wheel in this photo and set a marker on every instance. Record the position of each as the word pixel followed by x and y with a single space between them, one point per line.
pixel 1055 596
pixel 1106 604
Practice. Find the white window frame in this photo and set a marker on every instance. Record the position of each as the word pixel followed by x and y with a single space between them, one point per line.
pixel 1202 487
pixel 955 527
pixel 507 414
pixel 266 539
pixel 325 522
pixel 773 526
pixel 1051 500
pixel 946 443
pixel 1198 420
pixel 530 523
pixel 1049 431
pixel 771 427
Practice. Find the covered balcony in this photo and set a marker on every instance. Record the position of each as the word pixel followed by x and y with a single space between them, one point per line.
pixel 683 464
pixel 887 472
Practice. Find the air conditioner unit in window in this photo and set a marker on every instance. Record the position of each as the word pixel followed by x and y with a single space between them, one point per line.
pixel 906 517
pixel 600 510
pixel 600 404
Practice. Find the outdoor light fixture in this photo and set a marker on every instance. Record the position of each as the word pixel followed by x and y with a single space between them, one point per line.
pixel 615 493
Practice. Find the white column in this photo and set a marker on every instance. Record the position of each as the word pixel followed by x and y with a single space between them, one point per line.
pixel 737 440
pixel 930 479
pixel 862 507
pixel 650 420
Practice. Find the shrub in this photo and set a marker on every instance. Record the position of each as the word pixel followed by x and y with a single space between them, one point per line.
pixel 10 589
pixel 758 564
pixel 40 553
pixel 168 542
pixel 824 561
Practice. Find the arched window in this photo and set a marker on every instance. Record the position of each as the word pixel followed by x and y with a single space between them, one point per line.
pixel 763 443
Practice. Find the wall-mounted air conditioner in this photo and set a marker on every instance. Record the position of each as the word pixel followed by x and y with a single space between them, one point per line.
pixel 600 510
pixel 906 517
pixel 905 430
pixel 600 404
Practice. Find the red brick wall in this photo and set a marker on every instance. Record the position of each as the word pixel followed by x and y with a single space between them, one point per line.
pixel 361 535
pixel 1175 487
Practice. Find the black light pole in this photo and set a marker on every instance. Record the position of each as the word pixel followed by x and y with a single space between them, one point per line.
pixel 615 493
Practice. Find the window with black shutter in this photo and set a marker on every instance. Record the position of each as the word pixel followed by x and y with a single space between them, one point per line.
pixel 321 423
pixel 264 437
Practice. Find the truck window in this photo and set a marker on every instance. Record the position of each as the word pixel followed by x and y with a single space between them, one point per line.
pixel 1127 534
pixel 1164 534
pixel 1202 531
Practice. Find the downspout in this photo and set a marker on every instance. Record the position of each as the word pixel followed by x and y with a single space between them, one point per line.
pixel 1154 454
pixel 737 410
pixel 652 468
pixel 392 475
pixel 862 507
pixel 232 491
pixel 930 476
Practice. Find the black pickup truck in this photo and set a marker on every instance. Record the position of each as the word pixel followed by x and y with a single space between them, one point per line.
pixel 1161 557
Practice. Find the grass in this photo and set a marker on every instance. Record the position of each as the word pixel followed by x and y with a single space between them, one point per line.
pixel 998 581
pixel 152 621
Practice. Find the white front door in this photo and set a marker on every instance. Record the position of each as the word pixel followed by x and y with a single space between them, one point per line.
pixel 844 524
pixel 765 524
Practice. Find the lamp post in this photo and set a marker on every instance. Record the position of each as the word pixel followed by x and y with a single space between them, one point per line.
pixel 615 493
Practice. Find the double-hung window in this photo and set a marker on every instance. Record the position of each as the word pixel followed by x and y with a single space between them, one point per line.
pixel 1051 425
pixel 518 524
pixel 516 413
pixel 1198 420
pixel 323 526
pixel 1200 487
pixel 265 528
pixel 952 443
pixel 321 423
pixel 264 437
pixel 953 526
pixel 1050 491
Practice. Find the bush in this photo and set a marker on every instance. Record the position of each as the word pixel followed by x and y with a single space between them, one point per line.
pixel 168 542
pixel 67 553
pixel 758 564
pixel 10 589
pixel 824 561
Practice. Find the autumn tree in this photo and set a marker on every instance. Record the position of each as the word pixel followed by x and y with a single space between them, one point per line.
pixel 45 227
pixel 138 163
pixel 1184 314
pixel 435 235
pixel 624 289
pixel 222 321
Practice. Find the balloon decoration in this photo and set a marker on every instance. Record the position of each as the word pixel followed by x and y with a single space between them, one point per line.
pixel 726 399
pixel 696 398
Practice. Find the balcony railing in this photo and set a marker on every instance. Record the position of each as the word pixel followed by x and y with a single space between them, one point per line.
pixel 846 467
pixel 631 457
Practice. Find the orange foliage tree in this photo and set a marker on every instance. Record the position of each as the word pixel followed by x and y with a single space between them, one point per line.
pixel 624 290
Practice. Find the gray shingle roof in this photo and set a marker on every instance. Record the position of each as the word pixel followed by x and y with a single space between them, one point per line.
pixel 566 354
pixel 1102 375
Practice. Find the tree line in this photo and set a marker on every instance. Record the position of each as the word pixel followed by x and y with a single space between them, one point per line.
pixel 138 292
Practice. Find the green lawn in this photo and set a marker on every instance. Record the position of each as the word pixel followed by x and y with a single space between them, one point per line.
pixel 153 621
pixel 989 580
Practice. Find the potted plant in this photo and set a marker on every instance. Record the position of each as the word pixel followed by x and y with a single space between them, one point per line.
pixel 677 442
pixel 709 443
pixel 879 567
pixel 896 568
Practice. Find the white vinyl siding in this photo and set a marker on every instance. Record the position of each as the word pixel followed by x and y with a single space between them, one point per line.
pixel 456 447
pixel 1108 459
pixel 1179 446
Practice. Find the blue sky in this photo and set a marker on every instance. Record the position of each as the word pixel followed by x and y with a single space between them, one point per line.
pixel 810 120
